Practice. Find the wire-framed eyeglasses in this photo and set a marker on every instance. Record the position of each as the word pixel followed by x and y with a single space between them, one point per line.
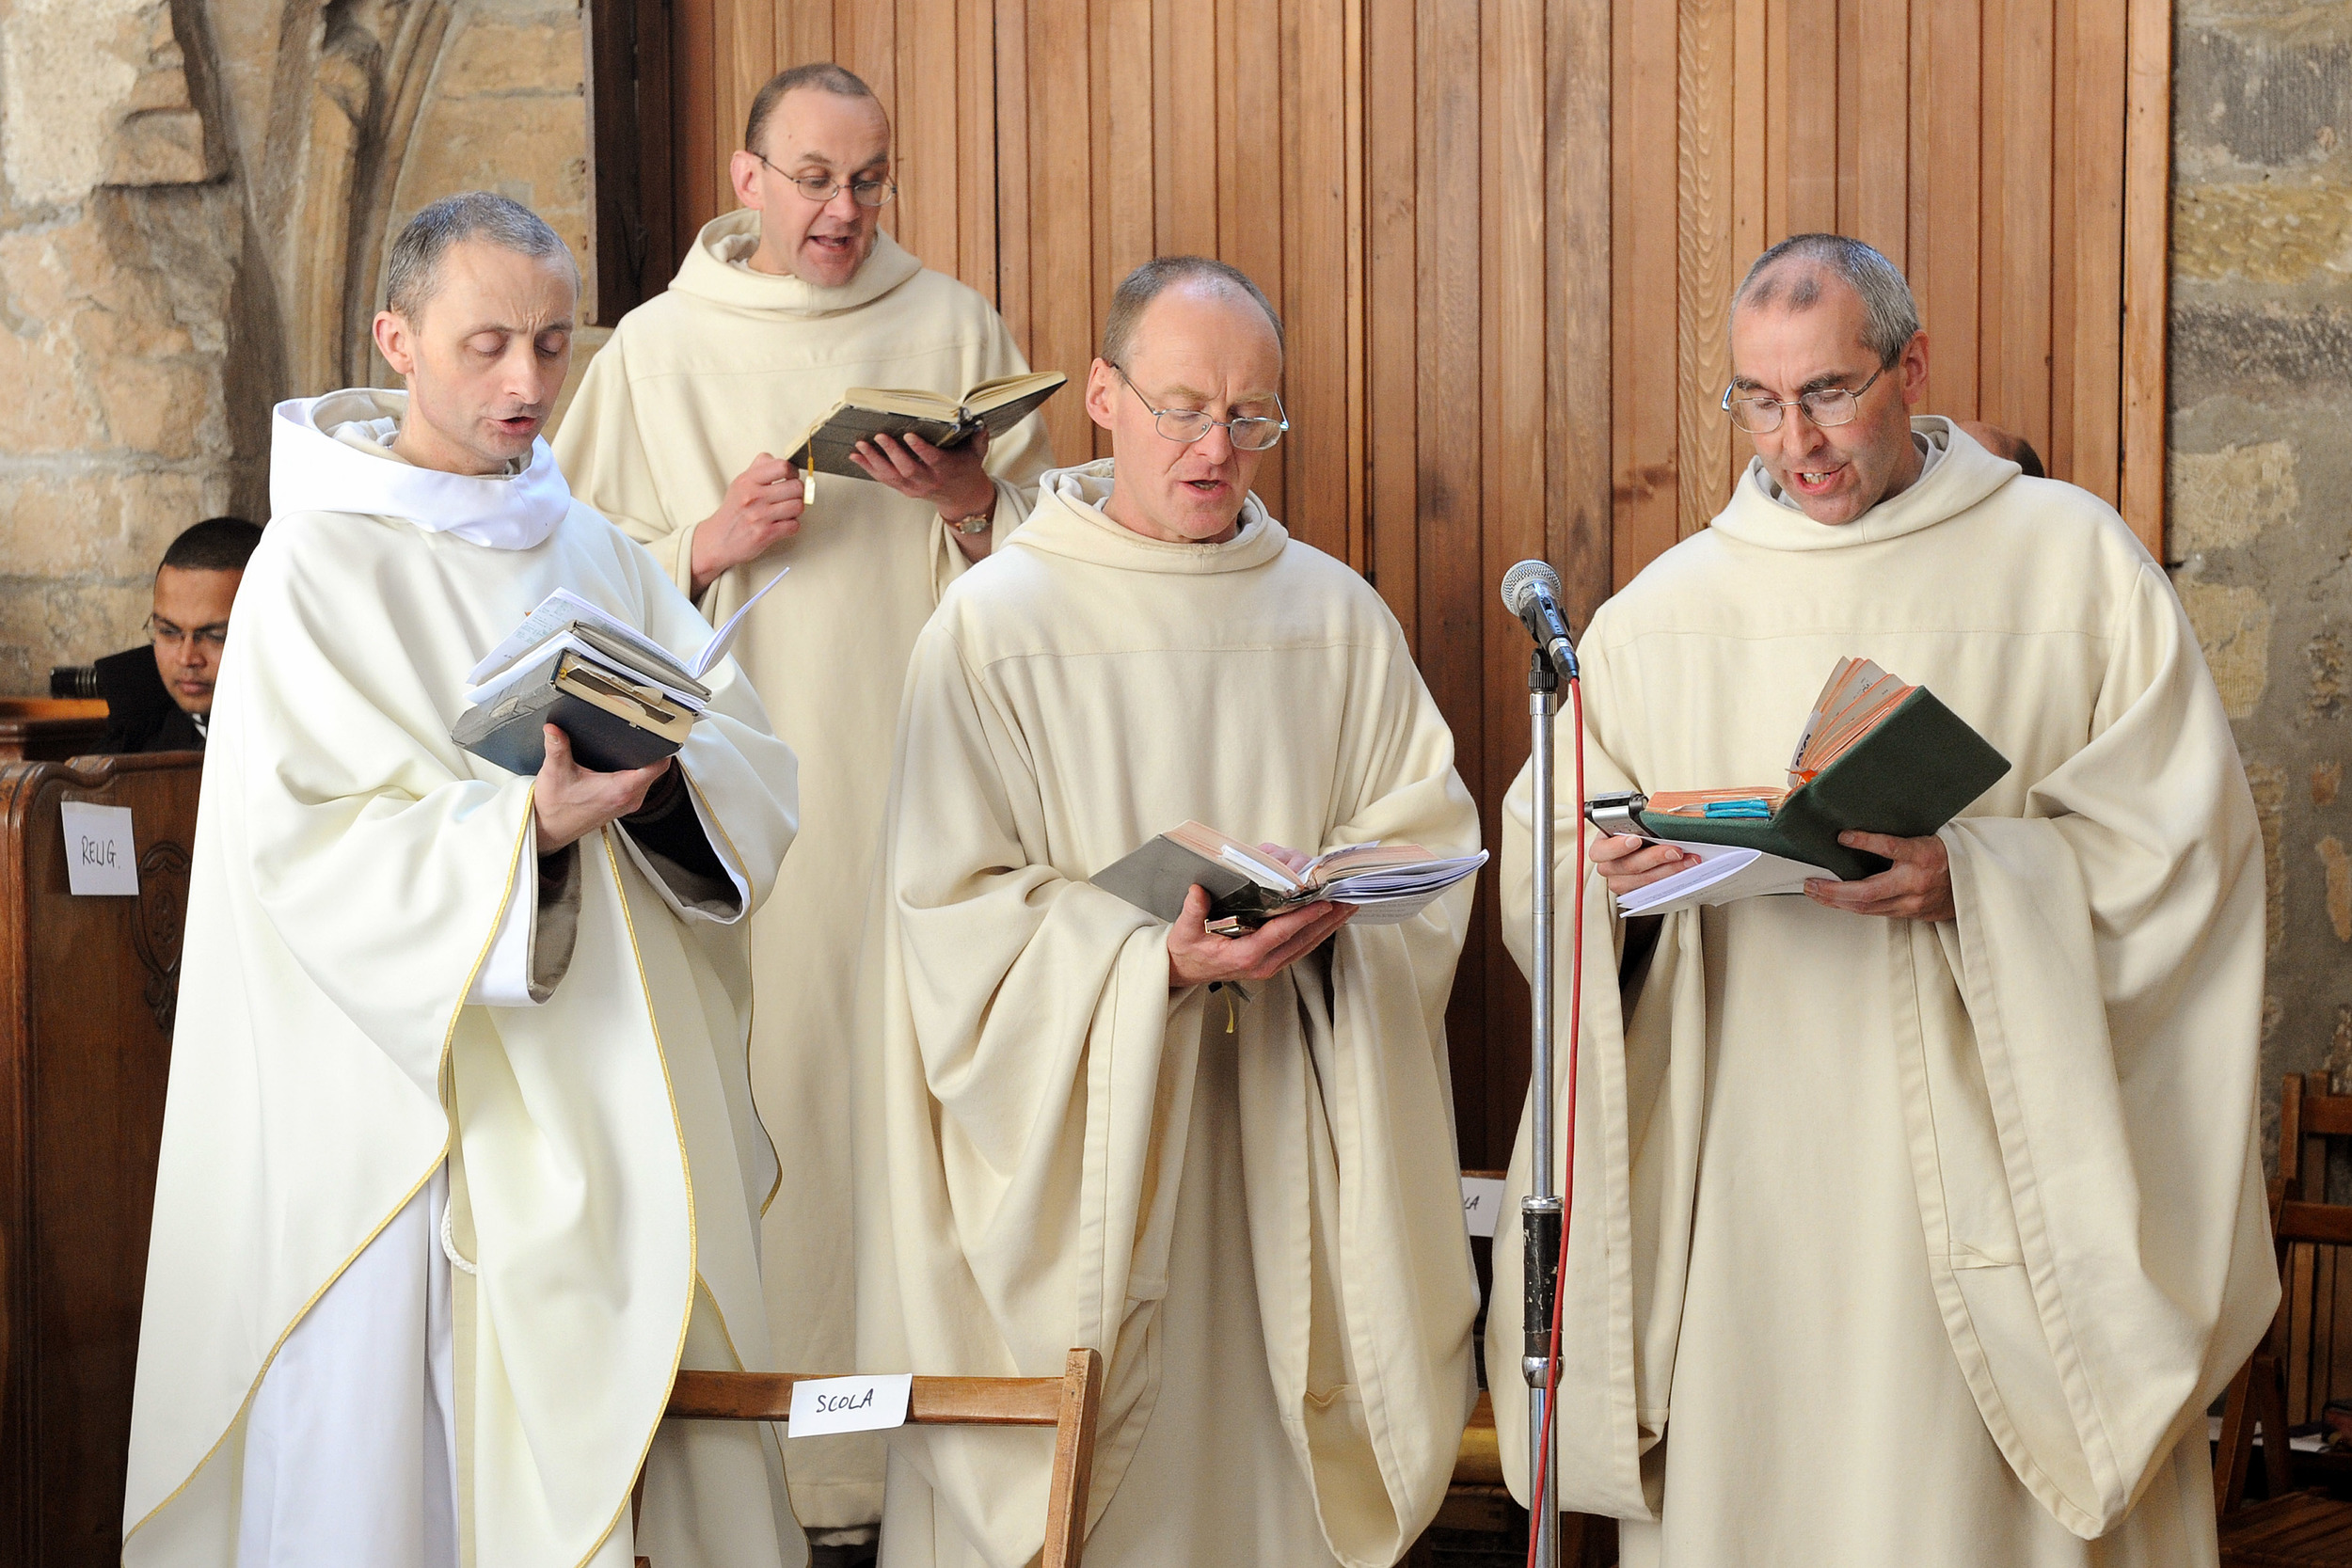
pixel 211 639
pixel 1826 406
pixel 1185 426
pixel 822 188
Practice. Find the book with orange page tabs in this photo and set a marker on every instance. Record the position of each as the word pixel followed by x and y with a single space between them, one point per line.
pixel 1388 883
pixel 1876 755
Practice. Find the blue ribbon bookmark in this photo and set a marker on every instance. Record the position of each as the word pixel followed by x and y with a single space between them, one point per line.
pixel 1749 809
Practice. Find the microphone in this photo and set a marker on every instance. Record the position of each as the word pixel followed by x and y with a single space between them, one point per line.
pixel 1530 591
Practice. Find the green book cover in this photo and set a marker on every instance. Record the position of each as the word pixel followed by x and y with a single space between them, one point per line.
pixel 1921 767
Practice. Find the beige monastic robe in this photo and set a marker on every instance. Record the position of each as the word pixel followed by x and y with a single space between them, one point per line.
pixel 353 872
pixel 693 385
pixel 1898 1242
pixel 1252 1211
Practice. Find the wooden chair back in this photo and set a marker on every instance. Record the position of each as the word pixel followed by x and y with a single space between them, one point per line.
pixel 2306 1359
pixel 1070 1404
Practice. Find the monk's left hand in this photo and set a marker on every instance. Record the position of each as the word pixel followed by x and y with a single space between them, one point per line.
pixel 952 481
pixel 1919 886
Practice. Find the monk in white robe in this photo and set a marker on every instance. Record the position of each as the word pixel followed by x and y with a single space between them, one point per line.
pixel 776 312
pixel 1075 1131
pixel 459 1161
pixel 1916 1220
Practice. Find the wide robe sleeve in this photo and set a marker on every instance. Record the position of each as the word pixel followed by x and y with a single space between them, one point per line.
pixel 1027 1111
pixel 2085 1140
pixel 2109 950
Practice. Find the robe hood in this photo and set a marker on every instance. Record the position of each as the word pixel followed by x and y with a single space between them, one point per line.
pixel 333 453
pixel 1960 474
pixel 1068 520
pixel 715 269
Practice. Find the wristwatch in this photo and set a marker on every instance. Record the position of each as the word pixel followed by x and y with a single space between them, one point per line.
pixel 976 522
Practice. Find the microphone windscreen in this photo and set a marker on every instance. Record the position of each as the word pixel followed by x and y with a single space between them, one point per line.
pixel 1517 580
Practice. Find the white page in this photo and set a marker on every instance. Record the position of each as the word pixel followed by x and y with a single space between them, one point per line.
pixel 716 649
pixel 556 611
pixel 555 647
pixel 1724 874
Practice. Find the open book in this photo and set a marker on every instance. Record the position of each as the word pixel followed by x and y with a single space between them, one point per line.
pixel 866 412
pixel 623 699
pixel 1876 755
pixel 1388 882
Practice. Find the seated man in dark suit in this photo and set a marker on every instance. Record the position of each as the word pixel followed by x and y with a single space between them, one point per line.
pixel 158 697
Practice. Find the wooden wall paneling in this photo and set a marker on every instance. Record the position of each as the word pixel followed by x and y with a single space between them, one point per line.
pixel 2018 387
pixel 743 44
pixel 2147 280
pixel 1705 70
pixel 1449 434
pixel 976 145
pixel 866 39
pixel 1510 183
pixel 1013 197
pixel 1641 289
pixel 1124 201
pixel 1318 271
pixel 1882 74
pixel 1776 90
pixel 1185 126
pixel 1392 339
pixel 1811 143
pixel 698 170
pixel 1947 201
pixel 1250 174
pixel 1576 302
pixel 1844 74
pixel 925 143
pixel 803 31
pixel 2091 413
pixel 1061 186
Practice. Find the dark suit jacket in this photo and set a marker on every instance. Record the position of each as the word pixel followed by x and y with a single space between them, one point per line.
pixel 140 714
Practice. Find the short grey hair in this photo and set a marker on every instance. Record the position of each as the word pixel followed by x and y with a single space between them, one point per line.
pixel 1890 314
pixel 816 75
pixel 1139 287
pixel 412 274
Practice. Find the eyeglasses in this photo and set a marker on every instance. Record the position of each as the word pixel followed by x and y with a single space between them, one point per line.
pixel 1185 426
pixel 211 639
pixel 1826 406
pixel 822 188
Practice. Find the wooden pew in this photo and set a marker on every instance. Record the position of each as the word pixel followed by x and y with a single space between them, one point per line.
pixel 88 989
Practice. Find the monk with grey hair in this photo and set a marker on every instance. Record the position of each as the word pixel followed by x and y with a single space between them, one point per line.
pixel 1226 1163
pixel 459 1163
pixel 1919 1218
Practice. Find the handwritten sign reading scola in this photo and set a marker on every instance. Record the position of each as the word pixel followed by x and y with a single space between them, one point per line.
pixel 1482 1204
pixel 826 1404
pixel 99 857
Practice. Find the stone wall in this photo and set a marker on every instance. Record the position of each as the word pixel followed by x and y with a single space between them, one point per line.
pixel 193 196
pixel 2259 536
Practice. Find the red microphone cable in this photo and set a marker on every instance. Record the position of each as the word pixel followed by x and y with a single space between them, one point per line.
pixel 1567 1178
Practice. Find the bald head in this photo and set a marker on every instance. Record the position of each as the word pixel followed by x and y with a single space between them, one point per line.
pixel 816 76
pixel 1196 274
pixel 1795 274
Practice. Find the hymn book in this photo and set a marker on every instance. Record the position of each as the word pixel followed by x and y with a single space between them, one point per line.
pixel 1388 883
pixel 623 700
pixel 945 423
pixel 1876 755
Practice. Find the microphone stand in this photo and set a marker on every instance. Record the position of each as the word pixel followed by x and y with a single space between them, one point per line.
pixel 1541 1212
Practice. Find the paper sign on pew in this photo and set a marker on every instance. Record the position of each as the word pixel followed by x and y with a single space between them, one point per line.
pixel 821 1406
pixel 1482 1204
pixel 99 858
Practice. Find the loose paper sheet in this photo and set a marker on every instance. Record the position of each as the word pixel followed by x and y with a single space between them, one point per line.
pixel 99 858
pixel 821 1406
